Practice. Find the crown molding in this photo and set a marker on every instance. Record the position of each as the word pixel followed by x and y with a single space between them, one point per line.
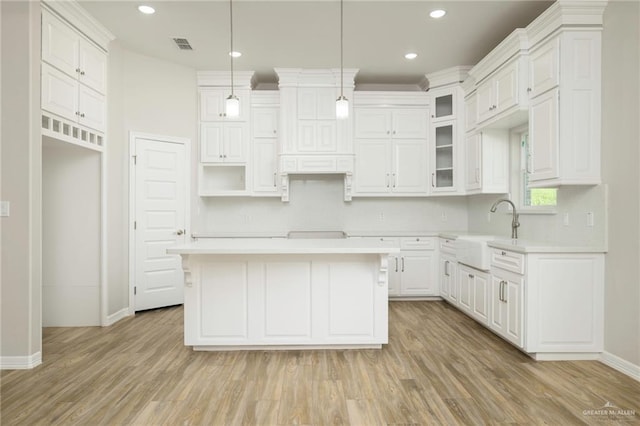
pixel 77 16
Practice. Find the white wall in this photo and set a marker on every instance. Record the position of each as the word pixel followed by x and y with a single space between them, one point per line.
pixel 70 231
pixel 316 203
pixel 145 95
pixel 20 301
pixel 620 160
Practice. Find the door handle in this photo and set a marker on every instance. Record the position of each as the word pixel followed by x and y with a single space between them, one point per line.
pixel 432 177
pixel 446 268
pixel 180 232
pixel 387 180
pixel 394 180
pixel 274 180
pixel 403 264
pixel 396 264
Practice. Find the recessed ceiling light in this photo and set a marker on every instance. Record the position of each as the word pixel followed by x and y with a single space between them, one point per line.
pixel 147 10
pixel 411 55
pixel 235 54
pixel 438 13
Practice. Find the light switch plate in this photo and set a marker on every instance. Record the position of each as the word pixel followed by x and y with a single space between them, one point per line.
pixel 4 208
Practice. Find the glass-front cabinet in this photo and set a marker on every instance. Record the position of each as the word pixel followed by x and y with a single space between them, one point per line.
pixel 443 174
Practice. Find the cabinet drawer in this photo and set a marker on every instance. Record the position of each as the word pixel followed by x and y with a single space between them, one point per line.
pixel 508 260
pixel 417 243
pixel 448 245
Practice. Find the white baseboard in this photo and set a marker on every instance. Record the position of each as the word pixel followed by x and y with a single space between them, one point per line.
pixel 622 365
pixel 20 362
pixel 115 317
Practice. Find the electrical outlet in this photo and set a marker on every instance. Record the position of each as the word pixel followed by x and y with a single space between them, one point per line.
pixel 590 219
pixel 4 208
pixel 565 219
pixel 443 216
pixel 381 216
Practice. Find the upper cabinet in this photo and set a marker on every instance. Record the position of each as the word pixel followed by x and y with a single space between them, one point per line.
pixel 391 144
pixel 564 119
pixel 212 104
pixel 446 130
pixel 74 73
pixel 264 143
pixel 501 99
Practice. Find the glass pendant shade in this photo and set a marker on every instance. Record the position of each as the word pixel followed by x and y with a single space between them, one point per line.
pixel 342 107
pixel 232 106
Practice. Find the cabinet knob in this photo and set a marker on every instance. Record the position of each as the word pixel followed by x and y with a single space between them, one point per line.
pixel 470 275
pixel 220 114
pixel 82 114
pixel 81 72
pixel 394 132
pixel 275 131
pixel 220 156
pixel 504 253
pixel 417 239
pixel 433 116
pixel 77 69
pixel 528 89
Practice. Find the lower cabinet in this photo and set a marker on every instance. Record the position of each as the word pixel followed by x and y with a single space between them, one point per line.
pixel 414 271
pixel 549 305
pixel 506 317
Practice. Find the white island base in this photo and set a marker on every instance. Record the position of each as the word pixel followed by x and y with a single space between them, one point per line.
pixel 293 299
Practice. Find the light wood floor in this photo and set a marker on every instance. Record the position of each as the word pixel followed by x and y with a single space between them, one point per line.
pixel 440 367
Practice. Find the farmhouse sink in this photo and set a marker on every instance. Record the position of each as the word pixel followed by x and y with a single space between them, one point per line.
pixel 472 250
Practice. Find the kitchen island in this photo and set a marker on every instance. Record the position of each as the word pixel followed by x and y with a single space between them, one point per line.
pixel 278 293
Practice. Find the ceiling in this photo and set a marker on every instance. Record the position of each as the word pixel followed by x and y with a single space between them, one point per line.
pixel 306 34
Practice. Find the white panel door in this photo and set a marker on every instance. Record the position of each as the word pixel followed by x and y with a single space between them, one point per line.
pixel 418 269
pixel 485 99
pixel 234 142
pixel 306 136
pixel 372 123
pixel 59 44
pixel 264 122
pixel 264 165
pixel 326 136
pixel 543 137
pixel 394 275
pixel 409 174
pixel 287 300
pixel 544 71
pixel 59 93
pixel 212 104
pixel 93 67
pixel 514 329
pixel 409 124
pixel 211 143
pixel 92 108
pixel 465 280
pixel 372 174
pixel 506 88
pixel 161 198
pixel 481 297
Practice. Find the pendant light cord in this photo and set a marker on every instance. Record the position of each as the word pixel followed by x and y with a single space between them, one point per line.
pixel 341 49
pixel 231 30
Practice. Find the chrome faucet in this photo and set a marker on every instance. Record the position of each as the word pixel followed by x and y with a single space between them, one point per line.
pixel 514 222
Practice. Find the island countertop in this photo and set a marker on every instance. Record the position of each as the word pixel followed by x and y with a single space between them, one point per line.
pixel 284 246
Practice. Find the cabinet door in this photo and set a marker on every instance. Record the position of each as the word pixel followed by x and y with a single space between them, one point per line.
pixel 506 88
pixel 543 68
pixel 443 166
pixel 418 269
pixel 59 93
pixel 465 280
pixel 443 105
pixel 307 132
pixel 471 112
pixel 265 177
pixel 409 124
pixel 307 104
pixel 409 172
pixel 326 137
pixel 59 44
pixel 372 123
pixel 454 288
pixel 481 297
pixel 93 67
pixel 212 104
pixel 372 174
pixel 497 319
pixel 543 137
pixel 486 101
pixel 326 104
pixel 92 107
pixel 264 122
pixel 234 138
pixel 447 274
pixel 394 275
pixel 514 315
pixel 473 153
pixel 211 143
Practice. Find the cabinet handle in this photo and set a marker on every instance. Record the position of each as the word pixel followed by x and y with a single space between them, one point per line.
pixel 433 116
pixel 446 268
pixel 433 175
pixel 82 115
pixel 417 239
pixel 77 69
pixel 504 253
pixel 274 180
pixel 220 156
pixel 394 132
pixel 477 175
pixel 470 275
pixel 81 72
pixel 387 180
pixel 396 264
pixel 275 131
pixel 77 112
pixel 394 180
pixel 220 114
pixel 403 264
pixel 528 89
pixel 388 132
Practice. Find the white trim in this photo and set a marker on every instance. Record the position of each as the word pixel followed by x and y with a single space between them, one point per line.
pixel 20 362
pixel 621 365
pixel 132 196
pixel 104 292
pixel 114 318
pixel 82 20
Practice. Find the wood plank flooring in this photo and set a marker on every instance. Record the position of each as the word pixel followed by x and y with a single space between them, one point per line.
pixel 439 367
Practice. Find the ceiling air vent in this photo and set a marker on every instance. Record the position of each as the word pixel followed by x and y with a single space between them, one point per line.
pixel 182 43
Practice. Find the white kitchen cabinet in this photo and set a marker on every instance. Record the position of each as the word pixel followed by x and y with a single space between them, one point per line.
pixel 507 306
pixel 67 50
pixel 223 142
pixel 487 162
pixel 414 271
pixel 445 150
pixel 213 101
pixel 564 118
pixel 465 288
pixel 471 112
pixel 264 162
pixel 501 91
pixel 391 151
pixel 73 84
pixel 448 271
pixel 474 292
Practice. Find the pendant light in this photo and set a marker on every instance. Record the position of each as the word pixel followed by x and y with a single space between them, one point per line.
pixel 232 104
pixel 342 104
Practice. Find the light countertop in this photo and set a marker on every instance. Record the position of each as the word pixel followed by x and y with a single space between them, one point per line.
pixel 284 246
pixel 526 246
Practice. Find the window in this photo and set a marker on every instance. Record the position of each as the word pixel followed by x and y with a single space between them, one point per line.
pixel 532 199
